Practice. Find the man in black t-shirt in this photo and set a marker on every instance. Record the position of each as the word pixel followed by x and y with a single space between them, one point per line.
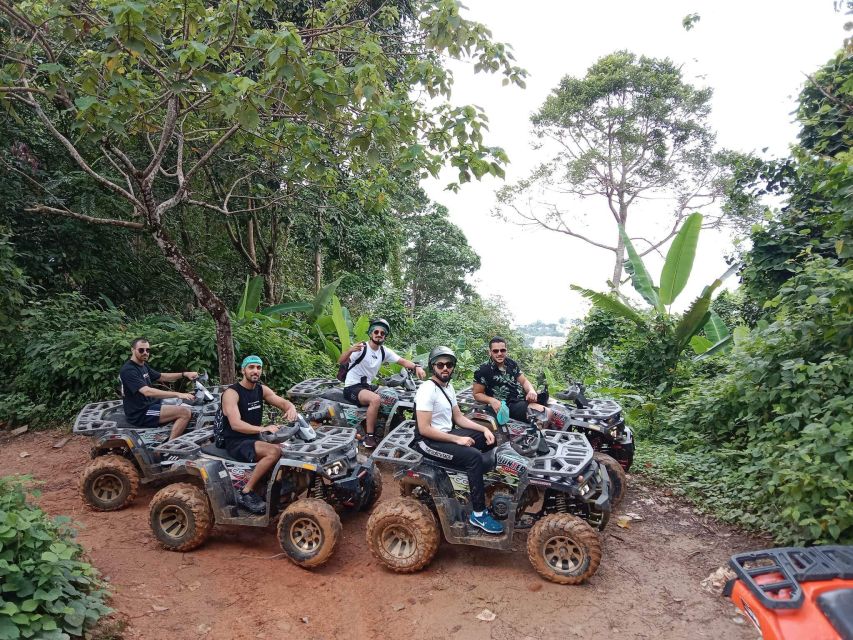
pixel 143 404
pixel 242 414
pixel 501 379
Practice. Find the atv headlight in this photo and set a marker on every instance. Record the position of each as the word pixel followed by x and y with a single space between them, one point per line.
pixel 584 488
pixel 337 468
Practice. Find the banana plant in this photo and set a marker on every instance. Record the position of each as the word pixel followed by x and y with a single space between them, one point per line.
pixel 674 277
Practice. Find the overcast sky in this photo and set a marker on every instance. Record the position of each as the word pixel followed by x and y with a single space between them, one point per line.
pixel 753 54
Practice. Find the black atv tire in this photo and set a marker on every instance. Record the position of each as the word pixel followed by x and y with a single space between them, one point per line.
pixel 403 534
pixel 180 517
pixel 375 491
pixel 616 475
pixel 563 549
pixel 308 531
pixel 109 483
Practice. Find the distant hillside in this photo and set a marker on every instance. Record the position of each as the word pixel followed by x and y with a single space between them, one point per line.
pixel 543 330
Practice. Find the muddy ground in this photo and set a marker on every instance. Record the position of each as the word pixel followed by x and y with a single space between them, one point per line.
pixel 238 586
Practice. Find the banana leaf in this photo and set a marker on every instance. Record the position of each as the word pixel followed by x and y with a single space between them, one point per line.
pixel 288 307
pixel 340 323
pixel 251 296
pixel 715 329
pixel 679 259
pixel 359 330
pixel 700 344
pixel 698 314
pixel 640 277
pixel 723 345
pixel 604 301
pixel 322 299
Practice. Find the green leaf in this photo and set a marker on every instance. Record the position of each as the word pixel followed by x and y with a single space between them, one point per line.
pixel 723 345
pixel 679 259
pixel 288 307
pixel 740 334
pixel 359 330
pixel 251 296
pixel 340 323
pixel 715 329
pixel 640 278
pixel 700 344
pixel 606 302
pixel 323 298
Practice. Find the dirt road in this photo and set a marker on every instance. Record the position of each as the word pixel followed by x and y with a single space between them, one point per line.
pixel 237 585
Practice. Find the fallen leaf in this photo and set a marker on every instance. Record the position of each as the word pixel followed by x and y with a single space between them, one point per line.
pixel 624 522
pixel 304 619
pixel 61 443
pixel 636 517
pixel 398 606
pixel 157 607
pixel 203 629
pixel 715 582
pixel 24 454
pixel 486 615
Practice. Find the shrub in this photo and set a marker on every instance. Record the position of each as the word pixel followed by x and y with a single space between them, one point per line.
pixel 778 424
pixel 48 590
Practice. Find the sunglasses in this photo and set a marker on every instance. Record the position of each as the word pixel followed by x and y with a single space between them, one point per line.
pixel 378 333
pixel 498 350
pixel 143 350
pixel 444 365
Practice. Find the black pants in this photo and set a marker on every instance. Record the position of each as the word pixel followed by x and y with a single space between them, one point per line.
pixel 517 410
pixel 468 459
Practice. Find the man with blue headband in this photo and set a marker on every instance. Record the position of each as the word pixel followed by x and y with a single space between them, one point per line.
pixel 362 362
pixel 239 427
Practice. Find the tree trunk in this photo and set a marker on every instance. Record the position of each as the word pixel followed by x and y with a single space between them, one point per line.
pixel 318 270
pixel 207 299
pixel 620 261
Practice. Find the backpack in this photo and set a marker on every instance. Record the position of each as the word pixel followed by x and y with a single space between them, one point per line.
pixel 344 368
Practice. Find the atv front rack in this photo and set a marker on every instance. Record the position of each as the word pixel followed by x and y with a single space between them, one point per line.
pixel 570 454
pixel 793 566
pixel 312 388
pixel 329 440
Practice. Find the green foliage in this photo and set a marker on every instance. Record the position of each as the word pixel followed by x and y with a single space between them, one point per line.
pixel 69 350
pixel 679 259
pixel 14 285
pixel 49 591
pixel 778 423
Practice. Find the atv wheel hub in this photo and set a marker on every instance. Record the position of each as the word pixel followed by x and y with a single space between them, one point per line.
pixel 306 535
pixel 562 554
pixel 107 486
pixel 398 543
pixel 174 521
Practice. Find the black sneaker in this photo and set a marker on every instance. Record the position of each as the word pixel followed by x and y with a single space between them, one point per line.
pixel 251 502
pixel 369 441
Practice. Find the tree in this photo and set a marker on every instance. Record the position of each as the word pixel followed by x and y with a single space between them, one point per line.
pixel 144 97
pixel 437 259
pixel 631 130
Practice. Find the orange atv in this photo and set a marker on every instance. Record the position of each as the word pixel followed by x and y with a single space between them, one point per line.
pixel 796 593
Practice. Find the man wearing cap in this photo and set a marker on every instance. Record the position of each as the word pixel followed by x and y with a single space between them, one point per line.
pixel 363 361
pixel 242 411
pixel 143 404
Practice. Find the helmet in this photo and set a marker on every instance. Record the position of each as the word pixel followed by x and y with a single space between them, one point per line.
pixel 380 322
pixel 438 352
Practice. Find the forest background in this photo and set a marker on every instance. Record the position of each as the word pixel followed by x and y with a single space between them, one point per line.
pixel 231 202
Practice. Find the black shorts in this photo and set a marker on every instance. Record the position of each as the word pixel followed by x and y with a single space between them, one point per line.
pixel 517 410
pixel 151 417
pixel 242 449
pixel 351 392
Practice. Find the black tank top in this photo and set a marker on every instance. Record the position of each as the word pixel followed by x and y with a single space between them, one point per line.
pixel 250 402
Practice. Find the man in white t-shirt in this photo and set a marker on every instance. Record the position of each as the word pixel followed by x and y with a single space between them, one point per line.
pixel 363 361
pixel 449 437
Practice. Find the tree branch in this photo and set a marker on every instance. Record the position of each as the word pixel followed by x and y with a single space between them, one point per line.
pixel 90 219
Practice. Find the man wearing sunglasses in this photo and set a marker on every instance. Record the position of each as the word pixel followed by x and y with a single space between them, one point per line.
pixel 500 379
pixel 363 361
pixel 448 437
pixel 143 404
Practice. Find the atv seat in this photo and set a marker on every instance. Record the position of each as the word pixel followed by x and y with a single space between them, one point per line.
pixel 336 395
pixel 213 450
pixel 837 606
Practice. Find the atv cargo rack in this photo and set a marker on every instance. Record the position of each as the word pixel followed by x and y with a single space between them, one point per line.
pixel 312 388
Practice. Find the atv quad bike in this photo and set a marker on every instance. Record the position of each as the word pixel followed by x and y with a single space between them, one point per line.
pixel 601 423
pixel 325 395
pixel 319 472
pixel 795 592
pixel 547 482
pixel 124 455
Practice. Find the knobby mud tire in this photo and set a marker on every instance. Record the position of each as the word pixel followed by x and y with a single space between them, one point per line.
pixel 403 535
pixel 375 491
pixel 564 549
pixel 109 483
pixel 180 517
pixel 308 531
pixel 616 474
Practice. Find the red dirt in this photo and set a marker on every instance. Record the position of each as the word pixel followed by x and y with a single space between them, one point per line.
pixel 238 586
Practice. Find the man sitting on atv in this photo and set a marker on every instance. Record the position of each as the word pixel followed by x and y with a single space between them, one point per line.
pixel 458 446
pixel 500 379
pixel 143 404
pixel 238 425
pixel 362 363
